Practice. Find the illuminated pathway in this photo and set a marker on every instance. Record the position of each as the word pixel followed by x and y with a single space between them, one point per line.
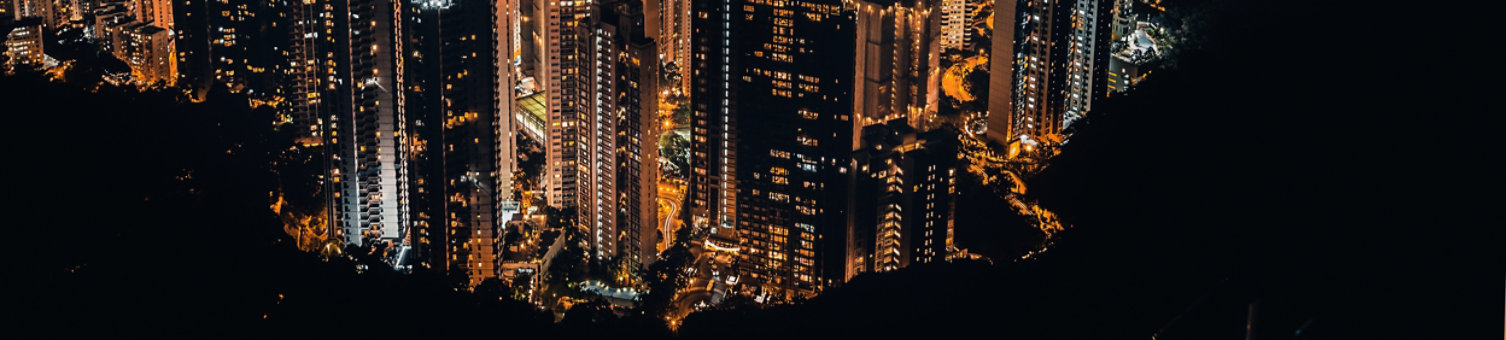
pixel 670 195
pixel 982 161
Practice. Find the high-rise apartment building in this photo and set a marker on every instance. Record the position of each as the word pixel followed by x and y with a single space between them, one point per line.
pixel 1124 19
pixel 898 63
pixel 146 48
pixel 956 23
pixel 459 99
pixel 674 37
pixel 622 208
pixel 157 12
pixel 506 23
pixel 35 9
pixel 148 51
pixel 23 46
pixel 712 188
pixel 533 30
pixel 191 28
pixel 225 43
pixel 368 172
pixel 782 68
pixel 307 72
pixel 565 73
pixel 902 198
pixel 110 20
pixel 903 174
pixel 239 59
pixel 597 64
pixel 1001 72
pixel 1088 57
pixel 1061 64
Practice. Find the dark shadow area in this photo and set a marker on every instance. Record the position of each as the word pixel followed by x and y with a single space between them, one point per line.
pixel 1271 170
pixel 1245 176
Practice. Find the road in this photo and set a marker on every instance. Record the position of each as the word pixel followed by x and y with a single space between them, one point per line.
pixel 670 196
pixel 708 281
pixel 696 290
pixel 670 209
pixel 707 268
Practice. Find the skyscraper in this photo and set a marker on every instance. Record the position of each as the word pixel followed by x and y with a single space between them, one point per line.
pixel 903 170
pixel 898 63
pixel 712 188
pixel 1001 72
pixel 623 124
pixel 235 44
pixel 674 37
pixel 597 63
pixel 505 28
pixel 902 198
pixel 786 66
pixel 191 28
pixel 1061 63
pixel 1088 56
pixel 230 26
pixel 565 71
pixel 459 101
pixel 308 78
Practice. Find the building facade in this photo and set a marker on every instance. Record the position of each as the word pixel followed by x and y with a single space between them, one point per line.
pixel 903 198
pixel 898 63
pixel 1061 65
pixel 674 38
pixel 623 209
pixel 368 176
pixel 23 46
pixel 42 9
pixel 712 188
pixel 308 75
pixel 1088 57
pixel 148 50
pixel 566 82
pixel 1001 72
pixel 786 66
pixel 956 23
pixel 458 103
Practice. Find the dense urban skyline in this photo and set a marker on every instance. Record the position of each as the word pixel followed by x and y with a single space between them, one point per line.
pixel 669 164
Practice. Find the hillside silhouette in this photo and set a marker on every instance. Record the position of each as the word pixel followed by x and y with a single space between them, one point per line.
pixel 1264 167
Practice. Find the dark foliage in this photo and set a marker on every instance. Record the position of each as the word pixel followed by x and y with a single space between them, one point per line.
pixel 1261 169
pixel 146 217
pixel 1267 167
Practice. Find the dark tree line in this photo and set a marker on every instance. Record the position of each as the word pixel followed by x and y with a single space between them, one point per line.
pixel 1245 174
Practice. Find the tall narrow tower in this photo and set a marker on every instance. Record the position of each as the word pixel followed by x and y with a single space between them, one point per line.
pixel 1001 72
pixel 458 98
pixel 773 95
pixel 623 126
pixel 566 82
pixel 1060 67
pixel 369 173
